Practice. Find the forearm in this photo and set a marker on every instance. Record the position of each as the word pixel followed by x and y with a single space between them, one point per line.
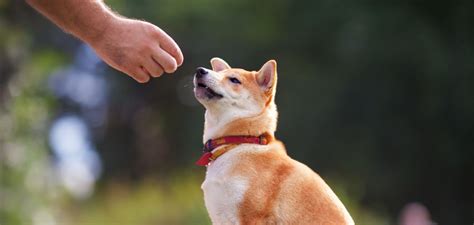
pixel 85 19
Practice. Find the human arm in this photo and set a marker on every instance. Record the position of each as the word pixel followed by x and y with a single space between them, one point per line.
pixel 137 48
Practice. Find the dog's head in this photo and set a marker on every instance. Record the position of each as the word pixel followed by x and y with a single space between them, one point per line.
pixel 229 93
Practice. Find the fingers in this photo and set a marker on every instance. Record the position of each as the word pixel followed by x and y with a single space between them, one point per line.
pixel 165 60
pixel 170 46
pixel 141 75
pixel 159 62
pixel 155 65
pixel 154 68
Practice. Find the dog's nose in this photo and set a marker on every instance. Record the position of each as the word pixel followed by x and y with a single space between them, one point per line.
pixel 200 72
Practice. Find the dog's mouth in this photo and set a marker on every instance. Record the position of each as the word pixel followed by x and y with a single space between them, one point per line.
pixel 207 91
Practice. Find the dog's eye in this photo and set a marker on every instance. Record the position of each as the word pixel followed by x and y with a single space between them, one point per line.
pixel 234 80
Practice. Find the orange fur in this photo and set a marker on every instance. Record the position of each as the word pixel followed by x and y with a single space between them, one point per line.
pixel 282 187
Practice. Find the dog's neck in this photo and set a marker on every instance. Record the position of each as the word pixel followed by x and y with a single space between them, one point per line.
pixel 228 124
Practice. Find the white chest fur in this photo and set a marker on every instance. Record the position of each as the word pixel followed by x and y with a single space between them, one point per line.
pixel 222 192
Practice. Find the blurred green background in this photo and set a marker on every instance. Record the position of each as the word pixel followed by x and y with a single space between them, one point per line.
pixel 376 96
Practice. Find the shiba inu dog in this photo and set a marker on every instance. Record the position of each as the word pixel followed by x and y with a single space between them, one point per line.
pixel 250 178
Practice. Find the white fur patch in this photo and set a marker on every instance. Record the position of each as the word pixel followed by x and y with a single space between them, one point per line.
pixel 223 192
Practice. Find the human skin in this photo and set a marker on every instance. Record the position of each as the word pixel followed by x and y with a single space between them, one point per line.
pixel 137 48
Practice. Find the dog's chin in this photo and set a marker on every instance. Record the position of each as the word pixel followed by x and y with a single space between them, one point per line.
pixel 203 92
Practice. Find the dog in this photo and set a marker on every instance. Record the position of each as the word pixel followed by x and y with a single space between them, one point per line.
pixel 250 179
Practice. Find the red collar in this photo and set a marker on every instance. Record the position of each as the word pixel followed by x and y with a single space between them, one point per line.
pixel 212 144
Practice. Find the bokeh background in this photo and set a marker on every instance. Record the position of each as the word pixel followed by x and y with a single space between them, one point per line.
pixel 377 96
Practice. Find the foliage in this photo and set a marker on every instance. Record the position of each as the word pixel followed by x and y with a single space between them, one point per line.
pixel 174 201
pixel 28 187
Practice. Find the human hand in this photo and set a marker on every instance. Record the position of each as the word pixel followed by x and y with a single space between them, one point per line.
pixel 137 48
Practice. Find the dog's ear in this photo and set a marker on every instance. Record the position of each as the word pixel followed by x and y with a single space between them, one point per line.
pixel 267 76
pixel 219 64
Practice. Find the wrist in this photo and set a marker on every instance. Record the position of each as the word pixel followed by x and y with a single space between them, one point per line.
pixel 98 23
